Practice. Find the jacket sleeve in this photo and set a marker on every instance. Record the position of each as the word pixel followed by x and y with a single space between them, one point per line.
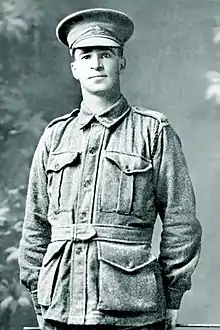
pixel 181 231
pixel 36 229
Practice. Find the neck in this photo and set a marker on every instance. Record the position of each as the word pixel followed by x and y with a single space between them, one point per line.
pixel 98 103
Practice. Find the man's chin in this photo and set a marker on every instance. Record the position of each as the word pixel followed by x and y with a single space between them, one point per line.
pixel 99 91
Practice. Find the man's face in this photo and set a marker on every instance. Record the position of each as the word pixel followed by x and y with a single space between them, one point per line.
pixel 98 68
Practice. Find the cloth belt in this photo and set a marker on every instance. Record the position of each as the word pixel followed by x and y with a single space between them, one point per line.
pixel 107 233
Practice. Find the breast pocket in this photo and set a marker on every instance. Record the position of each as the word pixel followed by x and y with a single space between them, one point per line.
pixel 129 278
pixel 126 183
pixel 62 171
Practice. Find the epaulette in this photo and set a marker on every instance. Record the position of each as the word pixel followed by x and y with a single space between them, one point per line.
pixel 151 113
pixel 63 118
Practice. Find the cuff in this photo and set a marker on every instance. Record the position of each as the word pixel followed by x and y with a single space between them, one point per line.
pixel 173 299
pixel 37 307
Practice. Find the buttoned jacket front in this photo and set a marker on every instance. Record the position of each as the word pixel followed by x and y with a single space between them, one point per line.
pixel 96 186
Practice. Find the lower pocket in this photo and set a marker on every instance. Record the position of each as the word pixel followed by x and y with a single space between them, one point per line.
pixel 49 272
pixel 129 280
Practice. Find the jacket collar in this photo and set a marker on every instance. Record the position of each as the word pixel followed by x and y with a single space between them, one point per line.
pixel 108 117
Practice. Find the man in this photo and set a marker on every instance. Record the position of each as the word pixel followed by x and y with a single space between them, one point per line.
pixel 99 178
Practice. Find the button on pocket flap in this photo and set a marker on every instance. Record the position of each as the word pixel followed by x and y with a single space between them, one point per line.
pixel 53 251
pixel 128 163
pixel 127 257
pixel 57 161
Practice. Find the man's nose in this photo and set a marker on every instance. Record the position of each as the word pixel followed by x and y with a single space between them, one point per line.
pixel 96 62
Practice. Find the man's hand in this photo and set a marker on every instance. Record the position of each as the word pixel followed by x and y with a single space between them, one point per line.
pixel 171 319
pixel 40 321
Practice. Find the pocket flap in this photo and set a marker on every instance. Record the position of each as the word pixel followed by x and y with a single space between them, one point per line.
pixel 128 257
pixel 57 161
pixel 53 251
pixel 129 163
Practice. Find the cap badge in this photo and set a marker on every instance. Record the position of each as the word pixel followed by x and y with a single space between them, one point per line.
pixel 98 30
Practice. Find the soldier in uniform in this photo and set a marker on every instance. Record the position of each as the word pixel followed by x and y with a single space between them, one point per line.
pixel 100 176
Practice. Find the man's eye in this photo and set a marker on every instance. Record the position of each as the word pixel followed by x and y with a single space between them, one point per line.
pixel 86 57
pixel 105 55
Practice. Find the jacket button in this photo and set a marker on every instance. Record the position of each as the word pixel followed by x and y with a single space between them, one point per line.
pixel 87 183
pixel 127 168
pixel 130 265
pixel 91 150
pixel 57 166
pixel 83 217
pixel 79 250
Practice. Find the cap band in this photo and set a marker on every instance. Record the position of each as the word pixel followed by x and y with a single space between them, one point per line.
pixel 93 32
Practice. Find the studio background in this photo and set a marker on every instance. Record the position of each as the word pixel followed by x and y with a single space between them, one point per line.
pixel 173 61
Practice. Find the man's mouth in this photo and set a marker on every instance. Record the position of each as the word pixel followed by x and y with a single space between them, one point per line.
pixel 98 76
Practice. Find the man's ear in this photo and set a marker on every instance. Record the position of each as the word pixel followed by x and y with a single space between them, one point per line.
pixel 74 71
pixel 122 64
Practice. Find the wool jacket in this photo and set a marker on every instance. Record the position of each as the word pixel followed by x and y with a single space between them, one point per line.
pixel 97 184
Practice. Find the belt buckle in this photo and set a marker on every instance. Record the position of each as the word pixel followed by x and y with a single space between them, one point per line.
pixel 73 233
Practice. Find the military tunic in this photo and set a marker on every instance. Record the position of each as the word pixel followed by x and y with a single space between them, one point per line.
pixel 96 186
